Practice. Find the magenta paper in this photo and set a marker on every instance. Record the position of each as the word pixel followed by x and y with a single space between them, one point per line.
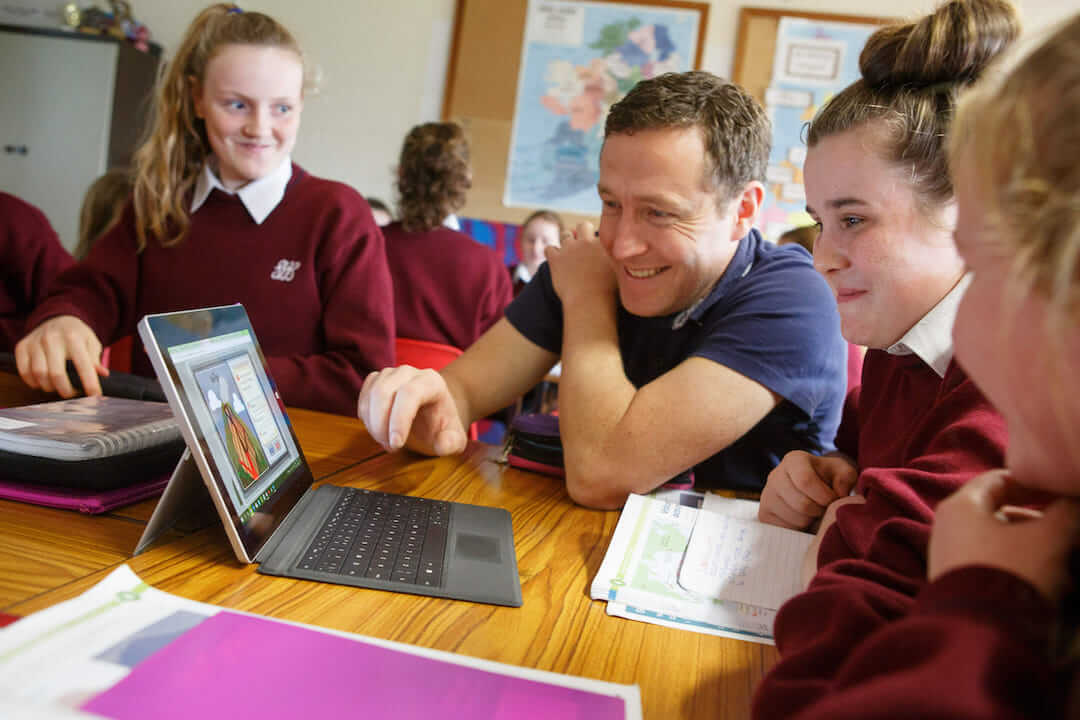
pixel 238 666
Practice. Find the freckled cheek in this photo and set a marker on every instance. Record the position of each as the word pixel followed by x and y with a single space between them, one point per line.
pixel 876 266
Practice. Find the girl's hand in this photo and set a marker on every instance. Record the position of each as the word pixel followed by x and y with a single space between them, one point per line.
pixel 976 525
pixel 42 356
pixel 799 489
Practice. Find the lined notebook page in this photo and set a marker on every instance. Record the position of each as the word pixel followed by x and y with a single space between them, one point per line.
pixel 736 558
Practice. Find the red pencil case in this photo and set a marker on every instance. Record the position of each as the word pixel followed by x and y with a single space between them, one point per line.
pixel 533 444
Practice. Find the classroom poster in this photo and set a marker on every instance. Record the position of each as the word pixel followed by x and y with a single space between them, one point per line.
pixel 579 58
pixel 814 60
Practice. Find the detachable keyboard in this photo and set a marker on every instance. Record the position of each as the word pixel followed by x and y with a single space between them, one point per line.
pixel 382 536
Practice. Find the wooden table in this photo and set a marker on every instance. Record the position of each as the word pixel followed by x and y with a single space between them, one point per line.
pixel 44 548
pixel 559 548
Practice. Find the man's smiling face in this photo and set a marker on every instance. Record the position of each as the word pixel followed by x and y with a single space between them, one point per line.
pixel 666 231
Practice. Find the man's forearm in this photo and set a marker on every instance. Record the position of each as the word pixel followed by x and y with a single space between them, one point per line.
pixel 594 396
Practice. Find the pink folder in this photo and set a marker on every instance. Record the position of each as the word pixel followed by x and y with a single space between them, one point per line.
pixel 91 502
pixel 237 666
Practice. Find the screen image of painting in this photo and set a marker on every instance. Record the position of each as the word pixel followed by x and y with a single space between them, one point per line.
pixel 245 426
pixel 578 59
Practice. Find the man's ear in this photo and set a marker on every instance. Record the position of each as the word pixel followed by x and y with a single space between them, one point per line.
pixel 746 207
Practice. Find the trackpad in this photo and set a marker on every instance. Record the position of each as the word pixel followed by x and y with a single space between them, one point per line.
pixel 476 547
pixel 480 555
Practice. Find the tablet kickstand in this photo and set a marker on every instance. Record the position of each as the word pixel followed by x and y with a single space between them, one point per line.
pixel 184 505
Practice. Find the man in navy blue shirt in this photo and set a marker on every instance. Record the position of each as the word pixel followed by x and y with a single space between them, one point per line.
pixel 687 342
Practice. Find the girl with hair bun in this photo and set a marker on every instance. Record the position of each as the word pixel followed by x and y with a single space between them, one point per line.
pixel 220 214
pixel 993 634
pixel 917 428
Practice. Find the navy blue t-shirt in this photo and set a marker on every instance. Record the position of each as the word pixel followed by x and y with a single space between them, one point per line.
pixel 771 317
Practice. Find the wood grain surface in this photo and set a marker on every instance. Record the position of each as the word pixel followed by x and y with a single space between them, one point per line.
pixel 44 548
pixel 559 628
pixel 48 555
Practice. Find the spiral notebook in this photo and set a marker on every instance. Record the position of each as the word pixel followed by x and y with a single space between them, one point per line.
pixel 86 427
pixel 88 443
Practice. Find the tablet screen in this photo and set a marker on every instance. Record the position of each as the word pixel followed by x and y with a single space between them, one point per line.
pixel 215 369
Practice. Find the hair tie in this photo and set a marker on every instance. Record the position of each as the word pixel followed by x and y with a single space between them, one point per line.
pixel 235 9
pixel 945 86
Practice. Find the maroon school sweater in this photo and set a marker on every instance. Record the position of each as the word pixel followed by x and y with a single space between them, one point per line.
pixel 448 288
pixel 917 438
pixel 312 277
pixel 31 256
pixel 976 644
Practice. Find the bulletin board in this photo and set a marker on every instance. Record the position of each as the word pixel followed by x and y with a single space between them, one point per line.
pixel 481 92
pixel 793 63
pixel 755 43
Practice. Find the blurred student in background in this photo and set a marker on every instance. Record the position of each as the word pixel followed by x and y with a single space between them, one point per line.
pixel 448 288
pixel 540 230
pixel 102 207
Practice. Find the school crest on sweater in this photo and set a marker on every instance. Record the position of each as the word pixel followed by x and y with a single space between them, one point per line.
pixel 285 270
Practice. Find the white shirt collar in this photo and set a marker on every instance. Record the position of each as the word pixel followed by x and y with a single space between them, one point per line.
pixel 522 273
pixel 259 197
pixel 931 337
pixel 451 221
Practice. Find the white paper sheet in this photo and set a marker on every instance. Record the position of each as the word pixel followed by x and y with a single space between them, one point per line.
pixel 731 556
pixel 639 575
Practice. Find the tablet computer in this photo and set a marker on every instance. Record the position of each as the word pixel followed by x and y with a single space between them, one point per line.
pixel 243 448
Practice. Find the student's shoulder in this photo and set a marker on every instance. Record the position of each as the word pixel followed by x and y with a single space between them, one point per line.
pixel 328 202
pixel 26 236
pixel 17 214
pixel 325 194
pixel 303 182
pixel 958 389
pixel 456 238
pixel 443 243
pixel 476 249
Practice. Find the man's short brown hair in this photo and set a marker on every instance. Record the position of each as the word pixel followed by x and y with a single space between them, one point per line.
pixel 734 127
